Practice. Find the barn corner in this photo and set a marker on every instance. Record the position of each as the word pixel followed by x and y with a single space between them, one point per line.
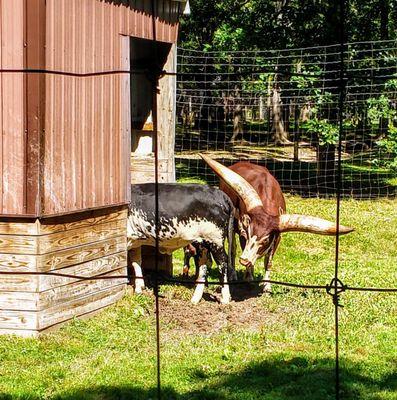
pixel 77 130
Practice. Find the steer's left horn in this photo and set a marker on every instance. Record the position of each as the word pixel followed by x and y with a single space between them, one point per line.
pixel 305 223
pixel 236 182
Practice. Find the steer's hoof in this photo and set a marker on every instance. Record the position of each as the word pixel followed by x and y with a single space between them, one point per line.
pixel 267 289
pixel 225 300
pixel 198 294
pixel 139 288
pixel 225 296
pixel 195 300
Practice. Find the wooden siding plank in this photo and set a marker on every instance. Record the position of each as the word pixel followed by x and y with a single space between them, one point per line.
pixel 18 283
pixel 85 253
pixel 18 263
pixel 101 266
pixel 58 241
pixel 41 283
pixel 63 258
pixel 48 226
pixel 38 320
pixel 78 290
pixel 14 301
pixel 21 244
pixel 67 311
pixel 22 319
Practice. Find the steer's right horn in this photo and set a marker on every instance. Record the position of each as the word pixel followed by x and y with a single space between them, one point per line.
pixel 236 182
pixel 306 223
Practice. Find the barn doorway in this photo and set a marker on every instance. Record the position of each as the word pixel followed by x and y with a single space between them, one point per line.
pixel 147 57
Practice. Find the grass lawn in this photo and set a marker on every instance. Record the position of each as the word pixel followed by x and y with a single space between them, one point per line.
pixel 264 347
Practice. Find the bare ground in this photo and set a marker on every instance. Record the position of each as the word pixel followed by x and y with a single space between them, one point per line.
pixel 179 316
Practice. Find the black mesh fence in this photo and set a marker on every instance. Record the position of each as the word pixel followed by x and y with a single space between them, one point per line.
pixel 281 109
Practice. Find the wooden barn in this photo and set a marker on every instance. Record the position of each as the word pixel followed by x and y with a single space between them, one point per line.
pixel 77 128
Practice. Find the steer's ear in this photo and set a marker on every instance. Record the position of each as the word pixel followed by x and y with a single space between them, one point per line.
pixel 236 182
pixel 306 223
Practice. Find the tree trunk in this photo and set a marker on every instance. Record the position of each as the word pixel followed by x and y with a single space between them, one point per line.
pixel 384 7
pixel 237 123
pixel 261 109
pixel 296 133
pixel 280 134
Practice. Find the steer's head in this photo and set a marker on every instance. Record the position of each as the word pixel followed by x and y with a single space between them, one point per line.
pixel 259 229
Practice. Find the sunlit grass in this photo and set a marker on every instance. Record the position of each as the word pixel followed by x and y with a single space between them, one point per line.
pixel 291 355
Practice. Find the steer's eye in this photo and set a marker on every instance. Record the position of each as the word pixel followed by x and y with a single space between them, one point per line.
pixel 262 250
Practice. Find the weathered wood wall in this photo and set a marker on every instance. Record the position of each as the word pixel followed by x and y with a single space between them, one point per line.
pixel 88 245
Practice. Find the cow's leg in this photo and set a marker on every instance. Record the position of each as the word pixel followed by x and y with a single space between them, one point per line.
pixel 198 292
pixel 267 288
pixel 136 264
pixel 249 271
pixel 220 258
pixel 186 263
pixel 268 263
pixel 232 267
pixel 190 251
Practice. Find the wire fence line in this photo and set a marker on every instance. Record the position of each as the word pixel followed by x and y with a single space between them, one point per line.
pixel 259 111
pixel 188 282
pixel 280 109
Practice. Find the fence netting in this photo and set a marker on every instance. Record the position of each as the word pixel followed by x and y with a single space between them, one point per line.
pixel 283 109
pixel 280 108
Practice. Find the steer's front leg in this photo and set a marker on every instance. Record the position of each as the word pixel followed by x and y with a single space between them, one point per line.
pixel 136 264
pixel 220 257
pixel 198 292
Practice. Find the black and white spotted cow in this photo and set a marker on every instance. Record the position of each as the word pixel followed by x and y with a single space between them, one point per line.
pixel 187 213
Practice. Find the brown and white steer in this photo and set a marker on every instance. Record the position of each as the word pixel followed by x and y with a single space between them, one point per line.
pixel 261 213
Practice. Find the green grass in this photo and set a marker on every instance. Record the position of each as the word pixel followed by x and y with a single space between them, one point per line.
pixel 291 356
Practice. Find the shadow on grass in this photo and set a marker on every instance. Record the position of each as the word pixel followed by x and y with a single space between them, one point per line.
pixel 277 378
pixel 301 177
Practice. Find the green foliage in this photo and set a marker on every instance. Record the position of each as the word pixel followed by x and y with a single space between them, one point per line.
pixel 327 133
pixel 379 108
pixel 388 146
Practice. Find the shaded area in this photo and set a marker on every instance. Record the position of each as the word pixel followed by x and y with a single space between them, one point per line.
pixel 297 177
pixel 276 378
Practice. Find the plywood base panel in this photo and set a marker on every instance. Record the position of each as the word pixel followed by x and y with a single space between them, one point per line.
pixel 87 246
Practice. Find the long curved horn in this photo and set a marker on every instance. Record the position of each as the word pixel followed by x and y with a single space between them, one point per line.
pixel 236 182
pixel 306 223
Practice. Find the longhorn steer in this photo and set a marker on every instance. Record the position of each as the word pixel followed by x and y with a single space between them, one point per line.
pixel 261 210
pixel 187 213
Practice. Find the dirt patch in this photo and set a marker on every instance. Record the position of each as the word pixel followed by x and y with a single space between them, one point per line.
pixel 209 316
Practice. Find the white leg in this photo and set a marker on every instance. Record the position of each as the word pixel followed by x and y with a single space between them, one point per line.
pixel 136 264
pixel 267 287
pixel 198 292
pixel 139 282
pixel 225 296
